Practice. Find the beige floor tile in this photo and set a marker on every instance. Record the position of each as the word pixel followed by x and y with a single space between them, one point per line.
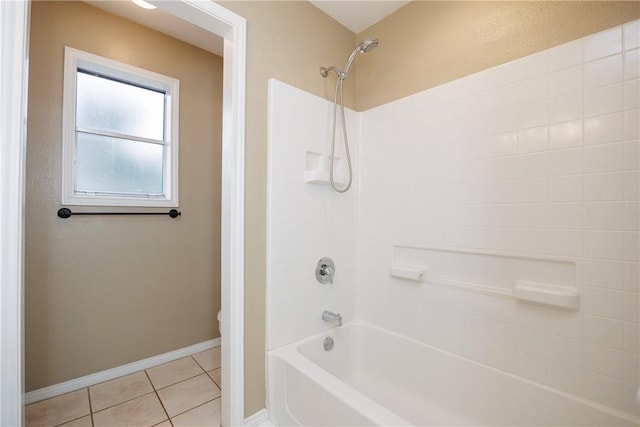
pixel 80 422
pixel 188 394
pixel 142 411
pixel 58 410
pixel 119 390
pixel 215 376
pixel 205 415
pixel 173 372
pixel 209 359
pixel 164 424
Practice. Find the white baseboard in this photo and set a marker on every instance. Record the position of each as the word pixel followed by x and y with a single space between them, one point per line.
pixel 259 419
pixel 109 374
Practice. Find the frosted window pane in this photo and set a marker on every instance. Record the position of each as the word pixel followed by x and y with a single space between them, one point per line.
pixel 113 106
pixel 113 165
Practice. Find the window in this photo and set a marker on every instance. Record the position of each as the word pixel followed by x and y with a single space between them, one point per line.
pixel 120 134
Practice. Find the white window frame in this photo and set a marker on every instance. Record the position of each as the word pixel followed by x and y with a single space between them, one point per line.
pixel 76 59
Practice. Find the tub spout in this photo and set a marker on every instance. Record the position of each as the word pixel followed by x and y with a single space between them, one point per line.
pixel 329 316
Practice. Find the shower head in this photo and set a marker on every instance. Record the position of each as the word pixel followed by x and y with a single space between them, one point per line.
pixel 366 46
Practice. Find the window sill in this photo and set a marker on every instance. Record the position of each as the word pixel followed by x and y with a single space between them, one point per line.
pixel 115 201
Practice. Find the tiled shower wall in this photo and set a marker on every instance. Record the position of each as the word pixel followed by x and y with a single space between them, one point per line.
pixel 306 221
pixel 533 160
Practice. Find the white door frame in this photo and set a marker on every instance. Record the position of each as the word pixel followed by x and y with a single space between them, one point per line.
pixel 14 66
pixel 13 110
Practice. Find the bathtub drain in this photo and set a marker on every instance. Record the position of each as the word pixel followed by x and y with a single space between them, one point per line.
pixel 328 343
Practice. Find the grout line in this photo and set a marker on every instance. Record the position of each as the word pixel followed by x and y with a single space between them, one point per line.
pixel 214 381
pixel 119 377
pixel 181 381
pixel 149 378
pixel 197 406
pixel 89 399
pixel 124 401
pixel 198 363
pixel 185 379
pixel 90 406
pixel 158 397
pixel 75 419
pixel 66 421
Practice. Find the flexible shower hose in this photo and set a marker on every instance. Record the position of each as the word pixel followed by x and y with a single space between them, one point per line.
pixel 333 139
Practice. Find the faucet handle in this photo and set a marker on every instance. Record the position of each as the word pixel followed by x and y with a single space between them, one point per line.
pixel 325 269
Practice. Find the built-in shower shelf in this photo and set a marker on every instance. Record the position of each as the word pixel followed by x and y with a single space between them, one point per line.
pixel 317 169
pixel 549 281
pixel 547 294
pixel 319 177
pixel 563 297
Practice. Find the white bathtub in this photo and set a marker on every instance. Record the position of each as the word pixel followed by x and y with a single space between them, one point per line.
pixel 375 377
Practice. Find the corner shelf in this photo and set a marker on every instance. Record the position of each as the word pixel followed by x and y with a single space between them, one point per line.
pixel 317 169
pixel 317 177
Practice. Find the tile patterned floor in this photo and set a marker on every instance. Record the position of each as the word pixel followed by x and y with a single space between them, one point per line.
pixel 185 392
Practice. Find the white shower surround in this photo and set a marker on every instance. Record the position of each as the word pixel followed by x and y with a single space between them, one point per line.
pixel 537 158
pixel 305 221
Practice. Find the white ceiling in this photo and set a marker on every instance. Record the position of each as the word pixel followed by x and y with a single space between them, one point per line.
pixel 163 22
pixel 357 15
pixel 353 14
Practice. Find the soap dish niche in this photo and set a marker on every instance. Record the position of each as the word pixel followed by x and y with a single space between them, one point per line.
pixel 316 170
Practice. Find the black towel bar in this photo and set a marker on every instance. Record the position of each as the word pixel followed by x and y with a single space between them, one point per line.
pixel 66 213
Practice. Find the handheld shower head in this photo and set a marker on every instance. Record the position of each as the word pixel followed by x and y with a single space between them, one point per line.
pixel 368 45
pixel 364 47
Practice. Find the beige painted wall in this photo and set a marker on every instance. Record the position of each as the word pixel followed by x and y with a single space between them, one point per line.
pixel 288 41
pixel 427 43
pixel 105 291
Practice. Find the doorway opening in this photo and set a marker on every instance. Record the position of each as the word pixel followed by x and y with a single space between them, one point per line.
pixel 212 18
